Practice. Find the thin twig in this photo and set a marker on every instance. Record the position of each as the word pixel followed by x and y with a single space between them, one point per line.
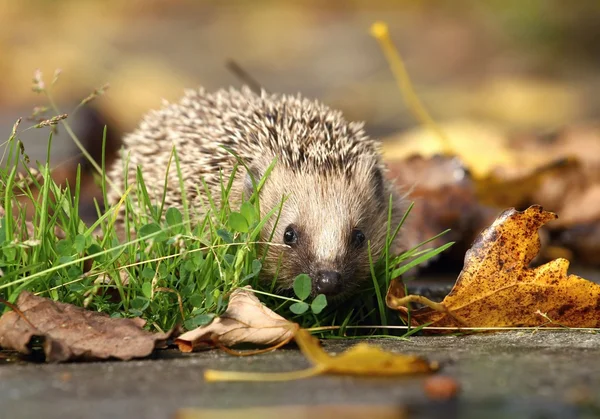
pixel 243 75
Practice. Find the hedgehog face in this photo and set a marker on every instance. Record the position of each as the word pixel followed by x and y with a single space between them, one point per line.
pixel 325 227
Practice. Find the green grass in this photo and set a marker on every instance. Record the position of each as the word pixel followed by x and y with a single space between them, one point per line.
pixel 174 271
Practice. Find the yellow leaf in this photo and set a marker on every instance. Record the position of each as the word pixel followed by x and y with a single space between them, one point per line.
pixel 482 147
pixel 361 359
pixel 496 288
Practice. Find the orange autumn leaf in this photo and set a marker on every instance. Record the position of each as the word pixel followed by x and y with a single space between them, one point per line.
pixel 361 359
pixel 496 288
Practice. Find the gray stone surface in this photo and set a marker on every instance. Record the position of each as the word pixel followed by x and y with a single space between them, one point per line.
pixel 515 374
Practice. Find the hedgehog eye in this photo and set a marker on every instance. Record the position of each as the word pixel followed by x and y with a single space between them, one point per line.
pixel 290 236
pixel 358 238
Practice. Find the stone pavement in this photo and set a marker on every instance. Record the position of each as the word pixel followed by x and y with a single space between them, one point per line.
pixel 505 375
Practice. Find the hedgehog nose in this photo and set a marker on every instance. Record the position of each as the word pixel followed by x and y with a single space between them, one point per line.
pixel 328 282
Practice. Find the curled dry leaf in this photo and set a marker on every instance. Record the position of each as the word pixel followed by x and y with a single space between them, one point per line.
pixel 246 320
pixel 497 288
pixel 68 332
pixel 361 359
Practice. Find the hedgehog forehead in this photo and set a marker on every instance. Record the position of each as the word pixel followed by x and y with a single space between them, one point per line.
pixel 314 201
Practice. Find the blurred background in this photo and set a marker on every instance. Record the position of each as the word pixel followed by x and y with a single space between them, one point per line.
pixel 527 64
pixel 499 70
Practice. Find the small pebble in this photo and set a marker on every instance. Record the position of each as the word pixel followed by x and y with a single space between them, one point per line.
pixel 441 387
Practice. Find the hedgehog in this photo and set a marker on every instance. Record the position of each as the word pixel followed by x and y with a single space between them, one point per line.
pixel 330 171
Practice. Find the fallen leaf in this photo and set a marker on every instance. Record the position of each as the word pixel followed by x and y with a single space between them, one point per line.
pixel 496 287
pixel 444 196
pixel 297 412
pixel 246 320
pixel 482 147
pixel 361 359
pixel 68 332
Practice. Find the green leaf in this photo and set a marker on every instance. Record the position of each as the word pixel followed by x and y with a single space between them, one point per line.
pixel 64 259
pixel 77 288
pixel 318 304
pixel 249 212
pixel 299 308
pixel 174 220
pixel 74 272
pixel 93 249
pixel 189 288
pixel 174 217
pixel 302 286
pixel 225 235
pixel 10 253
pixel 199 320
pixel 147 289
pixel 198 258
pixel 196 300
pixel 153 229
pixel 148 273
pixel 238 222
pixel 256 266
pixel 189 266
pixel 149 229
pixel 64 247
pixel 209 298
pixel 79 243
pixel 140 303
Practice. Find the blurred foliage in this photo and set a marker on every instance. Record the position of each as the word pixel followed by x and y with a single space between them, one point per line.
pixel 506 52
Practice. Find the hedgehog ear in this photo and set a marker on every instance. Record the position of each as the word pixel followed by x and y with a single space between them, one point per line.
pixel 253 176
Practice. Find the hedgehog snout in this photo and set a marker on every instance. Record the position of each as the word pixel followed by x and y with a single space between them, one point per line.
pixel 328 282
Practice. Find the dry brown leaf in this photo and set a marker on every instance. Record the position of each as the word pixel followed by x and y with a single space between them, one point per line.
pixel 507 172
pixel 444 196
pixel 246 320
pixel 497 288
pixel 68 332
pixel 361 359
pixel 543 170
